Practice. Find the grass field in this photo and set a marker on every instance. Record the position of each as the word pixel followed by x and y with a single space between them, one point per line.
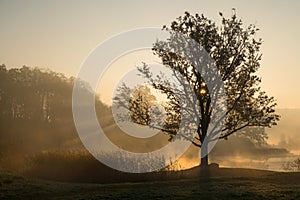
pixel 225 184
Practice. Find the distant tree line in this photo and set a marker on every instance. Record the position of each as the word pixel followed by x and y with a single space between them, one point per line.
pixel 36 109
pixel 34 95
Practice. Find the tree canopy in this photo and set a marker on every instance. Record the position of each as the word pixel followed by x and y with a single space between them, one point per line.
pixel 235 52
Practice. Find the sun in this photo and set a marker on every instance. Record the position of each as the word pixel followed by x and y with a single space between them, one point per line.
pixel 202 91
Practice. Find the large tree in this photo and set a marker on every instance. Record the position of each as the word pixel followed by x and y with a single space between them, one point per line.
pixel 236 54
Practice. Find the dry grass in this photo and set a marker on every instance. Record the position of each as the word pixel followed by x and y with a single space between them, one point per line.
pixel 81 166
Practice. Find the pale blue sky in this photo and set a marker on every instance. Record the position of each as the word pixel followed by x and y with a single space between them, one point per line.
pixel 60 34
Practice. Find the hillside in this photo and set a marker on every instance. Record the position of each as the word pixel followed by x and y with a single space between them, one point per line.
pixel 226 184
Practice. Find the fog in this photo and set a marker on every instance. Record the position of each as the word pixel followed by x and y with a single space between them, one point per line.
pixel 283 145
pixel 36 117
pixel 286 134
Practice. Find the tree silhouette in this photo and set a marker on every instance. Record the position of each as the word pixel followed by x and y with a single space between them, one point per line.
pixel 236 54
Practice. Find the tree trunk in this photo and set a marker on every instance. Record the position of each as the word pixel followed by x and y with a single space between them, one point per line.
pixel 204 161
pixel 204 155
pixel 204 170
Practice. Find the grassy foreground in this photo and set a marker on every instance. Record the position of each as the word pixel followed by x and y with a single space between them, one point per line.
pixel 224 184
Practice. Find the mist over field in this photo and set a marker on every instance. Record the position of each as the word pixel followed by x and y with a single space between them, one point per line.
pixel 283 144
pixel 286 133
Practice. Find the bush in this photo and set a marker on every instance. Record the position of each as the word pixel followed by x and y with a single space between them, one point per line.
pixel 292 165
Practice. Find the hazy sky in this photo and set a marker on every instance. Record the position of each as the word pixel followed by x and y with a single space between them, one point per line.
pixel 60 34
